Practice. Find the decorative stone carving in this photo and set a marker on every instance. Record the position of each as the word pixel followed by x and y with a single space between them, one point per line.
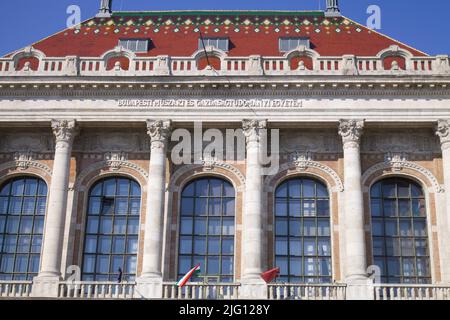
pixel 27 141
pixel 115 160
pixel 395 160
pixel 251 129
pixel 351 131
pixel 23 159
pixel 64 131
pixel 443 132
pixel 209 163
pixel 400 165
pixel 339 186
pixel 301 160
pixel 411 141
pixel 318 141
pixel 159 132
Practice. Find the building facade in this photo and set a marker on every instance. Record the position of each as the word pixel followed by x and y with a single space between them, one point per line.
pixel 353 202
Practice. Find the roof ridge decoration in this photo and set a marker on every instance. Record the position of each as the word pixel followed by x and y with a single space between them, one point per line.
pixel 105 9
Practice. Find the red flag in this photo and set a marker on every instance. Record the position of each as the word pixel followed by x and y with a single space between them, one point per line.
pixel 270 275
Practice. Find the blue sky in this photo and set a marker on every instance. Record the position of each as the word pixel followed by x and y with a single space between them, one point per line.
pixel 421 24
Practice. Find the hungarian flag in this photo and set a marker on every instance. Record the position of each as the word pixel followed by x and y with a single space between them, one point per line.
pixel 270 275
pixel 185 279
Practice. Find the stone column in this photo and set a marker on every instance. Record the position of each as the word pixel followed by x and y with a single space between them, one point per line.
pixel 355 242
pixel 149 284
pixel 253 215
pixel 443 132
pixel 46 283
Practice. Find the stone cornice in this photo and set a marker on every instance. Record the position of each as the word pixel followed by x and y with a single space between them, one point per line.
pixel 216 87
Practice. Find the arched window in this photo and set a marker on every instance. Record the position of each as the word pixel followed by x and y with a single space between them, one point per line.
pixel 112 228
pixel 207 229
pixel 22 211
pixel 399 231
pixel 302 231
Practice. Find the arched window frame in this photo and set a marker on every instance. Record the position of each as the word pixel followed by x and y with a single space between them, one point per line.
pixel 303 277
pixel 203 277
pixel 34 230
pixel 113 275
pixel 401 277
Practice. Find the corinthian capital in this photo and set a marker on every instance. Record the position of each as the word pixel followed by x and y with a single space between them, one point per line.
pixel 64 130
pixel 351 130
pixel 159 132
pixel 252 129
pixel 443 132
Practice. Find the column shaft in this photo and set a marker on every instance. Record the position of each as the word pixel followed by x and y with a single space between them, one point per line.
pixel 356 262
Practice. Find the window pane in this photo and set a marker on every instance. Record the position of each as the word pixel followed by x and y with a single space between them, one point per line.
pixel 324 248
pixel 215 207
pixel 94 205
pixel 102 264
pixel 281 227
pixel 295 189
pixel 213 265
pixel 281 190
pixel 200 226
pixel 38 225
pixel 17 187
pixel 23 245
pixel 26 225
pixel 295 208
pixel 28 205
pixel 104 245
pixel 389 190
pixel 309 208
pixel 106 225
pixel 390 208
pixel 228 207
pixel 214 226
pixel 109 187
pixel 323 228
pixel 92 225
pixel 123 186
pixel 323 208
pixel 91 244
pixel 214 246
pixel 295 228
pixel 228 227
pixel 3 205
pixel 295 266
pixel 121 206
pixel 120 225
pixel 281 207
pixel 309 227
pixel 118 245
pixel 15 205
pixel 132 245
pixel 227 265
pixel 375 208
pixel 36 244
pixel 228 246
pixel 281 246
pixel 309 247
pixel 215 188
pixel 12 225
pixel 184 264
pixel 420 228
pixel 134 206
pixel 308 189
pixel 199 245
pixel 186 245
pixel 201 206
pixel 295 247
pixel 186 225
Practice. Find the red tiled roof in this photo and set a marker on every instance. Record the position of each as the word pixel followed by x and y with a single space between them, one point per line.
pixel 250 33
